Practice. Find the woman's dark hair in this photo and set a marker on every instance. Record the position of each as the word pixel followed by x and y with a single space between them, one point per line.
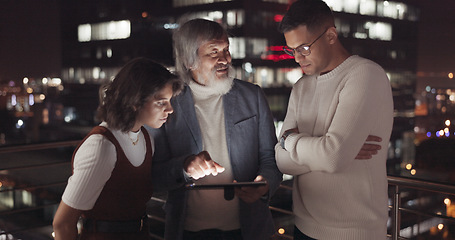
pixel 315 14
pixel 137 81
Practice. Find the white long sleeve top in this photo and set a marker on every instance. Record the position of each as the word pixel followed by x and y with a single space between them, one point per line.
pixel 334 195
pixel 94 162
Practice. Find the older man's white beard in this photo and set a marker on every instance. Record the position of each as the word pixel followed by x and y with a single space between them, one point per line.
pixel 219 85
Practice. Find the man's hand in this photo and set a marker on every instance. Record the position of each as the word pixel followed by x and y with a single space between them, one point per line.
pixel 201 165
pixel 252 194
pixel 368 149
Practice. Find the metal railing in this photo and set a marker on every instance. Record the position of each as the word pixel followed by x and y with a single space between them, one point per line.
pixel 398 184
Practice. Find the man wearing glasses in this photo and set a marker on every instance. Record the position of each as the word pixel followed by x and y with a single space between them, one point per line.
pixel 340 101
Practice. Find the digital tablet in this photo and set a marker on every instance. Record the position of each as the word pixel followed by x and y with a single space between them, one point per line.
pixel 224 185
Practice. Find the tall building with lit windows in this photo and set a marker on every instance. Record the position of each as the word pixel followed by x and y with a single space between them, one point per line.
pixel 100 36
pixel 383 31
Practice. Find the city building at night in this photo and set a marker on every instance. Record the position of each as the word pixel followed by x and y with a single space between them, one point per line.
pixel 98 37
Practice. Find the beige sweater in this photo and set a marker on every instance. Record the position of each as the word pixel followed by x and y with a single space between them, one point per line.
pixel 207 208
pixel 335 196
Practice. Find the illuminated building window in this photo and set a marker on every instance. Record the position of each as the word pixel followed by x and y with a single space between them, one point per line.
pixel 109 52
pixel 247 47
pixel 96 72
pixel 237 47
pixel 351 6
pixel 182 3
pixel 335 5
pixel 231 18
pixel 102 52
pixel 367 7
pixel 392 54
pixel 379 30
pixel 389 9
pixel 343 27
pixel 256 46
pixel 84 33
pixel 235 17
pixel 269 77
pixel 216 16
pixel 264 76
pixel 89 75
pixel 392 9
pixel 104 31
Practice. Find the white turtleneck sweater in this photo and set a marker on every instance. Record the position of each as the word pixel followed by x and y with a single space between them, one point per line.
pixel 334 195
pixel 94 162
pixel 208 209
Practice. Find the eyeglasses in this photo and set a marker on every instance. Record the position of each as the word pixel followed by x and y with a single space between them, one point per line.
pixel 303 49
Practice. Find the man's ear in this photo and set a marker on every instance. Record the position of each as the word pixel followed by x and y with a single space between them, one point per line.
pixel 332 35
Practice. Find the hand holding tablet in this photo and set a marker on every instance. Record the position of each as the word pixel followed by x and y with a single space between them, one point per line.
pixel 229 191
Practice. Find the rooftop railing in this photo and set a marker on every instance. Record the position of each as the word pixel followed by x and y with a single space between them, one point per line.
pixel 23 194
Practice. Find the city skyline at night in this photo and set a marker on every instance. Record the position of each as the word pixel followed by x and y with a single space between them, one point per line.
pixel 30 40
pixel 54 55
pixel 44 57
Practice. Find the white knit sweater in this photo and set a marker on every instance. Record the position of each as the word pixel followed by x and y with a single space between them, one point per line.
pixel 334 195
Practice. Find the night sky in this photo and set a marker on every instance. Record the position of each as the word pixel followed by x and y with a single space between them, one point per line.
pixel 436 43
pixel 437 35
pixel 30 39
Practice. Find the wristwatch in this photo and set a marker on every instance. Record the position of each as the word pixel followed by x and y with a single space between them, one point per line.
pixel 283 139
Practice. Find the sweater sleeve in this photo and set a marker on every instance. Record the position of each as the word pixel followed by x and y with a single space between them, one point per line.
pixel 361 98
pixel 93 164
pixel 283 158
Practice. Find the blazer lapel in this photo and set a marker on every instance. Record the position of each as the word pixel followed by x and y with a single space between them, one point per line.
pixel 188 112
pixel 230 104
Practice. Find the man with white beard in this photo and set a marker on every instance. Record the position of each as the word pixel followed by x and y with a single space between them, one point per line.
pixel 221 131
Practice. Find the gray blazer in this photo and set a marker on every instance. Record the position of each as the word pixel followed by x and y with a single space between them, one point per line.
pixel 251 138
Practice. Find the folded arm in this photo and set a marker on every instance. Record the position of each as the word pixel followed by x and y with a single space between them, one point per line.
pixel 346 139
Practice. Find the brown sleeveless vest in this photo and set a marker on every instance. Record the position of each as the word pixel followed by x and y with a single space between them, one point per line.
pixel 127 191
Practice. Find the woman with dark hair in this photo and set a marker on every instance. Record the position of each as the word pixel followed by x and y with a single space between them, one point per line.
pixel 111 180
